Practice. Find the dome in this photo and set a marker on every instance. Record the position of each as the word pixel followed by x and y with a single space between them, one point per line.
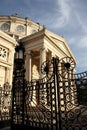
pixel 18 27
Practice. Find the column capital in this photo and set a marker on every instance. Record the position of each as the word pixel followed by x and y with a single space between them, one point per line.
pixel 28 52
pixel 42 49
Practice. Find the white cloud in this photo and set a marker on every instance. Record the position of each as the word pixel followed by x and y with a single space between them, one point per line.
pixel 81 22
pixel 59 16
pixel 63 13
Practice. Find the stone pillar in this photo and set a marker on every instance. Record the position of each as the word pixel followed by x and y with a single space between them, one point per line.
pixel 2 75
pixel 42 59
pixel 10 69
pixel 28 66
pixel 10 73
pixel 7 72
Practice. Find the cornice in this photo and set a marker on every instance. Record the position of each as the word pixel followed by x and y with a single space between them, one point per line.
pixel 52 36
pixel 40 34
pixel 45 34
pixel 16 18
pixel 8 38
pixel 4 63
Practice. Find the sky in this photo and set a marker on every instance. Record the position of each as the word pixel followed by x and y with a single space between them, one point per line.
pixel 67 18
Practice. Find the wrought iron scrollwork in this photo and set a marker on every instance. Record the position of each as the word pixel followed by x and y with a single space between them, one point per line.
pixel 81 84
pixel 66 66
pixel 47 69
pixel 51 102
pixel 5 102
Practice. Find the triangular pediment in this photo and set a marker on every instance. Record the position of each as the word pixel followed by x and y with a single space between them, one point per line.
pixel 50 40
pixel 61 43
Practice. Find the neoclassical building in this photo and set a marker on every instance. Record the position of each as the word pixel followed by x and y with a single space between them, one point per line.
pixel 40 45
pixel 7 50
pixel 18 27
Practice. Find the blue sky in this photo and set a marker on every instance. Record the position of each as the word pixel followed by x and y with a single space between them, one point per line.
pixel 67 18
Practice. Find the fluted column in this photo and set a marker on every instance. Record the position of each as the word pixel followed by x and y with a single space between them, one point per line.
pixel 10 70
pixel 42 59
pixel 28 66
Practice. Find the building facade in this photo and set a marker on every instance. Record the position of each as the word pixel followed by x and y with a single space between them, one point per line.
pixel 7 50
pixel 40 45
pixel 18 27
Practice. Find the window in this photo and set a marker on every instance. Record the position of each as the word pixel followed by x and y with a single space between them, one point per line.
pixel 5 27
pixel 3 53
pixel 20 28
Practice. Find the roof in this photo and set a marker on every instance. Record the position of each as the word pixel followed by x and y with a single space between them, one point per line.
pixel 54 39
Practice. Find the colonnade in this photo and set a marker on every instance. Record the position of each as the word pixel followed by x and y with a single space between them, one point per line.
pixel 42 57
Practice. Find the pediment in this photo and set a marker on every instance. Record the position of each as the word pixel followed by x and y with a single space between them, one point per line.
pixel 61 44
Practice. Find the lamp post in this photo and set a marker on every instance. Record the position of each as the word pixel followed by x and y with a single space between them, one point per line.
pixel 18 89
pixel 19 56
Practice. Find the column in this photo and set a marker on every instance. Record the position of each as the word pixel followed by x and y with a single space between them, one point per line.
pixel 2 75
pixel 10 69
pixel 28 66
pixel 8 75
pixel 42 59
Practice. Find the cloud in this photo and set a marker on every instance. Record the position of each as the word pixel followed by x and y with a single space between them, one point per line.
pixel 54 16
pixel 64 12
pixel 78 46
pixel 83 42
pixel 62 15
pixel 81 23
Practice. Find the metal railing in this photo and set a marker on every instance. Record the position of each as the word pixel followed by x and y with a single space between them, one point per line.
pixel 5 105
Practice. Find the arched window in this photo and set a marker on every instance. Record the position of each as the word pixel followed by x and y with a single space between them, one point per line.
pixel 20 28
pixel 5 27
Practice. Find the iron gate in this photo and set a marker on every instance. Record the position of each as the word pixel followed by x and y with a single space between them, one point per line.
pixel 5 105
pixel 50 103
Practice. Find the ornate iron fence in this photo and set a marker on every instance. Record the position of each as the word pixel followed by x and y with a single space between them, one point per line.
pixel 5 105
pixel 51 103
pixel 81 83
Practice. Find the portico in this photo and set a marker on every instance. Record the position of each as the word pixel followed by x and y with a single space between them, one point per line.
pixel 40 47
